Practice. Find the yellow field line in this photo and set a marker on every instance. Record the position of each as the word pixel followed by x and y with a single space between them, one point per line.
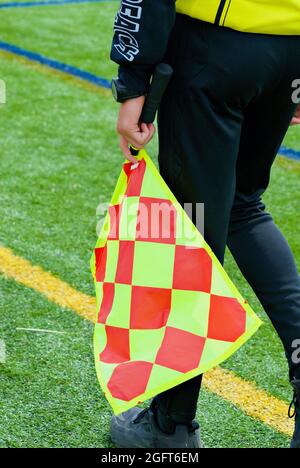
pixel 253 401
pixel 288 164
pixel 34 277
pixel 45 70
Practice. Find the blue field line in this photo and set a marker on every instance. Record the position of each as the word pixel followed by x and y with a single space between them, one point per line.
pixel 289 153
pixel 5 6
pixel 54 64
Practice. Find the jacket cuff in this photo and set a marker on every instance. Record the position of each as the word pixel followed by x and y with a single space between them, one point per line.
pixel 136 78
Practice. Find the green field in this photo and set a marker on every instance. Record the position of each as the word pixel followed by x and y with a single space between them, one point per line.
pixel 59 160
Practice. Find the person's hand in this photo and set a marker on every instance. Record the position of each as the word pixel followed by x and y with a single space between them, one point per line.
pixel 131 131
pixel 296 118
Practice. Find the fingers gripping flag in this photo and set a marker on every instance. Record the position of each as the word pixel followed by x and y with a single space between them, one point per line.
pixel 166 310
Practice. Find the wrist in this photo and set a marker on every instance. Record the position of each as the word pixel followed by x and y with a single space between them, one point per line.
pixel 122 93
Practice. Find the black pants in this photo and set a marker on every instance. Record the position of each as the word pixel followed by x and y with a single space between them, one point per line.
pixel 221 124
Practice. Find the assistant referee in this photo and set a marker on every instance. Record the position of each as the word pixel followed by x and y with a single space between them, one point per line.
pixel 222 120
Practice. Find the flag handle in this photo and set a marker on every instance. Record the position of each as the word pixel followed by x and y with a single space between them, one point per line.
pixel 160 80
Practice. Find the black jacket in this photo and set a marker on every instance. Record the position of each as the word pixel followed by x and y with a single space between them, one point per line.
pixel 141 33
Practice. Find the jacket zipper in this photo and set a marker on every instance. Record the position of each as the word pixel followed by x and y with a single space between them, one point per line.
pixel 220 12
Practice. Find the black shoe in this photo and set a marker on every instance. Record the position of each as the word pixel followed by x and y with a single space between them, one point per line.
pixel 137 428
pixel 294 412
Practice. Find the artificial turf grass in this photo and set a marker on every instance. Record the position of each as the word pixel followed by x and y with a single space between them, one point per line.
pixel 79 35
pixel 60 160
pixel 49 393
pixel 225 426
pixel 50 397
pixel 57 160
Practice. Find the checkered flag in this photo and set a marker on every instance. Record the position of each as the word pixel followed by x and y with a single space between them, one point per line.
pixel 166 309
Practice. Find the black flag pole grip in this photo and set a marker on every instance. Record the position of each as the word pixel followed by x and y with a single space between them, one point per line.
pixel 160 80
